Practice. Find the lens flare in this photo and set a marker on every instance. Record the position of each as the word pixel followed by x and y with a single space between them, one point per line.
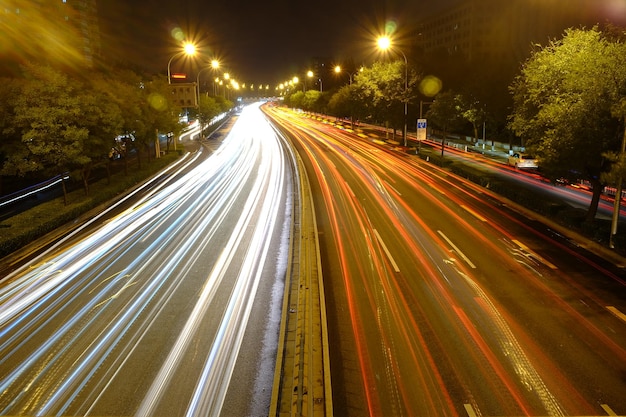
pixel 430 86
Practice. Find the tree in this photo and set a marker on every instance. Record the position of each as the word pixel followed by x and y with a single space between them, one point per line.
pixel 295 100
pixel 102 117
pixel 566 106
pixel 11 143
pixel 346 103
pixel 208 108
pixel 381 89
pixel 446 112
pixel 474 112
pixel 47 114
pixel 313 101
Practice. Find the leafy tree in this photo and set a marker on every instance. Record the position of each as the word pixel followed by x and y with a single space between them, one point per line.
pixel 159 112
pixel 313 101
pixel 295 100
pixel 102 117
pixel 446 113
pixel 567 106
pixel 474 112
pixel 208 108
pixel 381 89
pixel 11 142
pixel 346 103
pixel 47 114
pixel 224 104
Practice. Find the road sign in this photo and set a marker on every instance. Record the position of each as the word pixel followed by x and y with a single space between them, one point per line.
pixel 421 129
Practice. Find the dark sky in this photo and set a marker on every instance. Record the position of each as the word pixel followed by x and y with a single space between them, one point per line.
pixel 257 41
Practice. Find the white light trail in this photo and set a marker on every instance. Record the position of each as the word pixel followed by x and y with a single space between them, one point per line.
pixel 95 302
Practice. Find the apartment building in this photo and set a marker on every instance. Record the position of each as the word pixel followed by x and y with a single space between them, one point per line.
pixel 496 30
pixel 57 32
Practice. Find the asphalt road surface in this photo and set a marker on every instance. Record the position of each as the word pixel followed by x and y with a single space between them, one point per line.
pixel 171 307
pixel 444 301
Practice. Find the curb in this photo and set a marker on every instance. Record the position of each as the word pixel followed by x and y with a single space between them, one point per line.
pixel 302 385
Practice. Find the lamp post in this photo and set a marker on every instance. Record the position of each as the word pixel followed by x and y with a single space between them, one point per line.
pixel 215 65
pixel 189 49
pixel 384 43
pixel 310 75
pixel 350 74
pixel 198 81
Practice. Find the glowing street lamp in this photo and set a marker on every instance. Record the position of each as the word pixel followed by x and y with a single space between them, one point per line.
pixel 338 70
pixel 214 65
pixel 189 49
pixel 384 43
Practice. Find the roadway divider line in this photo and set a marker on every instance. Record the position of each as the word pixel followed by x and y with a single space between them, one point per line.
pixel 302 384
pixel 470 410
pixel 457 250
pixel 535 255
pixel 617 313
pixel 608 410
pixel 393 262
pixel 473 213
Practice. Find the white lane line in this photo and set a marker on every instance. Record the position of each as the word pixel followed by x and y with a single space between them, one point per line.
pixel 393 262
pixel 390 186
pixel 617 313
pixel 473 213
pixel 535 255
pixel 608 410
pixel 457 250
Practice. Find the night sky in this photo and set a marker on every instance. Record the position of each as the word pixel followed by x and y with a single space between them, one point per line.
pixel 257 41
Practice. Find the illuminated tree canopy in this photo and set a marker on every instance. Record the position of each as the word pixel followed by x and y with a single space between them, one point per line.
pixel 567 105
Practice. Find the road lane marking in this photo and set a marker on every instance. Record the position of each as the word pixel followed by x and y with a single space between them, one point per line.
pixel 390 186
pixel 457 250
pixel 617 313
pixel 473 213
pixel 393 262
pixel 535 255
pixel 608 410
pixel 470 410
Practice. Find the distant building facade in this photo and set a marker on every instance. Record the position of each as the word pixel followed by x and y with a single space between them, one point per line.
pixel 496 30
pixel 57 32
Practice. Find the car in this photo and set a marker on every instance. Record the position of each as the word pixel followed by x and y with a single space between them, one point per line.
pixel 522 161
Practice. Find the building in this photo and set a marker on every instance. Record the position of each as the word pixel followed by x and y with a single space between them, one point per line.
pixel 62 33
pixel 496 31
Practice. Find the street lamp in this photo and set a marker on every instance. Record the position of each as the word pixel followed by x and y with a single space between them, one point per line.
pixel 189 49
pixel 384 43
pixel 310 75
pixel 350 74
pixel 215 65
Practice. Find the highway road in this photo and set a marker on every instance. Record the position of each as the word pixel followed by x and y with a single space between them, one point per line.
pixel 170 307
pixel 445 301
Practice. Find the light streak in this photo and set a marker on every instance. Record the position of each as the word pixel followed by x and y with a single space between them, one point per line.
pixel 102 299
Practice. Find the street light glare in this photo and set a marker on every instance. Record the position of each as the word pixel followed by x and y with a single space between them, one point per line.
pixel 190 48
pixel 384 42
pixel 337 69
pixel 215 64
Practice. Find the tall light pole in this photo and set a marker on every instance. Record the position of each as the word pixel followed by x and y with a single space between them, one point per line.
pixel 215 65
pixel 384 43
pixel 189 49
pixel 350 74
pixel 310 75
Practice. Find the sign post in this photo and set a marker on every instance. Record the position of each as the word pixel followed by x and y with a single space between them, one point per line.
pixel 421 133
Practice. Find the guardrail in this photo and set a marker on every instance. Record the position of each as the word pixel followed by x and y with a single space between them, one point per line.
pixel 32 190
